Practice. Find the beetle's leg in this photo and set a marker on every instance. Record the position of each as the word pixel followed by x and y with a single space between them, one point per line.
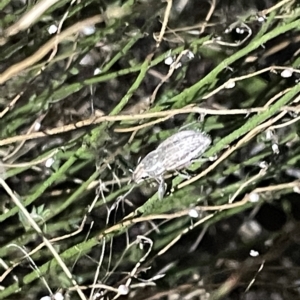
pixel 161 187
pixel 181 168
pixel 205 159
pixel 184 174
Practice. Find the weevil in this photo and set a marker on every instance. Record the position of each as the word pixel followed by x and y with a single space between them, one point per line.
pixel 175 153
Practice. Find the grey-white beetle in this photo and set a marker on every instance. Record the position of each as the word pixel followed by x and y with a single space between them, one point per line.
pixel 174 154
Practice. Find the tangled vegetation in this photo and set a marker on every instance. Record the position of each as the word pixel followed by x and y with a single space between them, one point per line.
pixel 90 87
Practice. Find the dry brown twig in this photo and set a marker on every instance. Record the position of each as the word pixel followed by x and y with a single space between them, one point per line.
pixel 53 42
pixel 276 6
pixel 164 114
pixel 29 18
pixel 11 104
pixel 164 24
pixel 208 16
pixel 31 128
pixel 43 50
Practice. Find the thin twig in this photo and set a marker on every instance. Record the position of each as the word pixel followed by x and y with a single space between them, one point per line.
pixel 165 23
pixel 35 226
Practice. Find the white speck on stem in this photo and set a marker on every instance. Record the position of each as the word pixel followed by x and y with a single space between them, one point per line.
pixel 254 197
pixel 296 189
pixel 275 148
pixel 263 165
pixel 97 71
pixel 240 30
pixel 37 126
pixel 287 73
pixel 169 60
pixel 229 84
pixel 253 253
pixel 86 60
pixel 52 29
pixel 261 18
pixel 49 162
pixel 178 65
pixel 123 289
pixel 190 55
pixel 88 30
pixel 269 135
pixel 193 213
pixel 59 296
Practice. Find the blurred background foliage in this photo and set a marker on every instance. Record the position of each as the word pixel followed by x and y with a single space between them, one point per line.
pixel 87 88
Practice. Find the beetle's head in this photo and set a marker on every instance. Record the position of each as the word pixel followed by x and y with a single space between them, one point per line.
pixel 139 174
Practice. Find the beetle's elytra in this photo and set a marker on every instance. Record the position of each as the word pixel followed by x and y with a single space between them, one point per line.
pixel 173 154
